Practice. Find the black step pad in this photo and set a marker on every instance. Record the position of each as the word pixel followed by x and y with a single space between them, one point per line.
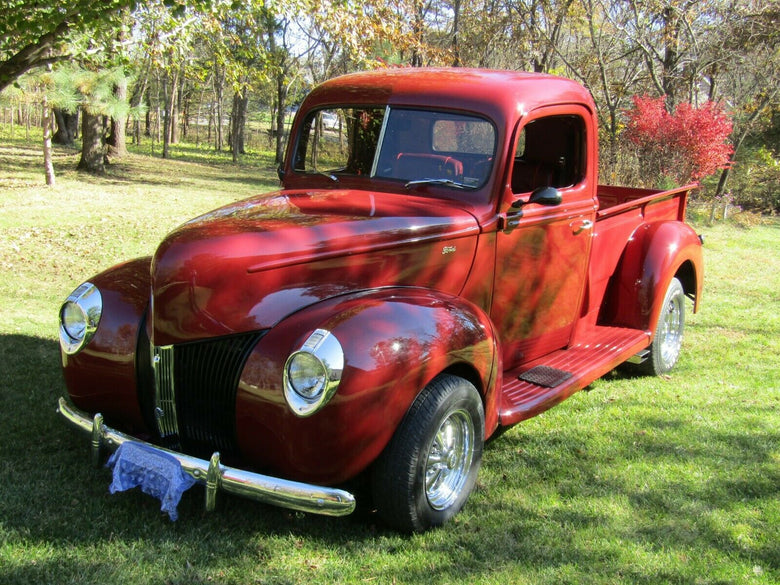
pixel 545 376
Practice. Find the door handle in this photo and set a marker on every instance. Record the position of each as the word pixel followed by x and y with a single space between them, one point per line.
pixel 580 225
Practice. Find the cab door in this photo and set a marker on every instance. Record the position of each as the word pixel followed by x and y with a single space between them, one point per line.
pixel 542 253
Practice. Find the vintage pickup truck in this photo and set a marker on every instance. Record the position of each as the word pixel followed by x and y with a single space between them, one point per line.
pixel 440 263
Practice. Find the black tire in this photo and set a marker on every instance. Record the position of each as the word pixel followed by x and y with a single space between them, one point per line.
pixel 420 481
pixel 668 334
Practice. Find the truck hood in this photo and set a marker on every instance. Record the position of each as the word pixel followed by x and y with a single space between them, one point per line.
pixel 246 266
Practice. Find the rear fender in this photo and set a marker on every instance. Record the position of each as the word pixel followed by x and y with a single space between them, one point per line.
pixel 655 253
pixel 395 341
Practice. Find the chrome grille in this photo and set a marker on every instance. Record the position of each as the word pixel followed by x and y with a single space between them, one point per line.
pixel 195 392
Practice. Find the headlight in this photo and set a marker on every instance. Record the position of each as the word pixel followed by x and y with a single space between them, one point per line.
pixel 79 318
pixel 307 374
pixel 313 373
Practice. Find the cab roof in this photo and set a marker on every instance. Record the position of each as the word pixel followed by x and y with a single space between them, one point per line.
pixel 498 94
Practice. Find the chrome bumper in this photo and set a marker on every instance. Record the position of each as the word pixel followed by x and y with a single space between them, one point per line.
pixel 215 476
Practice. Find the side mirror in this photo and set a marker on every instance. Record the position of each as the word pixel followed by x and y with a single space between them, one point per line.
pixel 546 196
pixel 280 172
pixel 549 196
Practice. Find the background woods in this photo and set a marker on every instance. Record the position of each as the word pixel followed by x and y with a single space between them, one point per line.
pixel 229 74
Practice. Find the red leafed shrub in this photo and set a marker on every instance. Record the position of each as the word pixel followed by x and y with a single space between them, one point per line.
pixel 685 145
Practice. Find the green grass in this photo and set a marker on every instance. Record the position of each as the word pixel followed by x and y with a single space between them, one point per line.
pixel 639 480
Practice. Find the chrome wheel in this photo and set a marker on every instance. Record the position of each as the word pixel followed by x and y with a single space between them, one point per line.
pixel 668 335
pixel 671 331
pixel 449 460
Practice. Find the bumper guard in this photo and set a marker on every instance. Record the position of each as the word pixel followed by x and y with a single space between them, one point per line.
pixel 215 476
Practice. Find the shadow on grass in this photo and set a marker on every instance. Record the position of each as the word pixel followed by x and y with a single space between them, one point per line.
pixel 140 171
pixel 53 499
pixel 547 507
pixel 51 493
pixel 51 459
pixel 25 159
pixel 674 488
pixel 187 164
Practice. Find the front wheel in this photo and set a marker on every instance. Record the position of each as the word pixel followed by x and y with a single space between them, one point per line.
pixel 427 471
pixel 668 335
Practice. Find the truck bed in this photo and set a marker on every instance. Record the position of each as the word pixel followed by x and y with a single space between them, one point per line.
pixel 621 211
pixel 670 204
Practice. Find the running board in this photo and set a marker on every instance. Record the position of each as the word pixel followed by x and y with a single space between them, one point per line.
pixel 639 358
pixel 539 385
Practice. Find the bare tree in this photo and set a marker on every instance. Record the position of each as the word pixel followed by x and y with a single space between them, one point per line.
pixel 48 164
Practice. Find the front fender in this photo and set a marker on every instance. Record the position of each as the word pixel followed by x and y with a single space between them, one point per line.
pixel 102 377
pixel 656 253
pixel 395 341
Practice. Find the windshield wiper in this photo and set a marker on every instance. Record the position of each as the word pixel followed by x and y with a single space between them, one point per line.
pixel 331 176
pixel 445 182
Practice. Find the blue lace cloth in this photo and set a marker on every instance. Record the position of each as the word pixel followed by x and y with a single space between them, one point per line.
pixel 158 474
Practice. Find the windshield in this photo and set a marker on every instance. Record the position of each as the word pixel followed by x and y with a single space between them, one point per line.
pixel 412 146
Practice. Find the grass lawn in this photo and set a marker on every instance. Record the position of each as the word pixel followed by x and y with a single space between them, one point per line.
pixel 638 480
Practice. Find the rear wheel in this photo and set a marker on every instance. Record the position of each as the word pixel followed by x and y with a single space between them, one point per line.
pixel 429 468
pixel 667 340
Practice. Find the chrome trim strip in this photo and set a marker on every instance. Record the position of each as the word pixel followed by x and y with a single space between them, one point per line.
pixel 212 482
pixel 380 141
pixel 97 439
pixel 262 488
pixel 164 392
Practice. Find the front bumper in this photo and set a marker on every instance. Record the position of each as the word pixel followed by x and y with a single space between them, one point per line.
pixel 215 476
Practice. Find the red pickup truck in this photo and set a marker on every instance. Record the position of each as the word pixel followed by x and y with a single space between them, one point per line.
pixel 440 263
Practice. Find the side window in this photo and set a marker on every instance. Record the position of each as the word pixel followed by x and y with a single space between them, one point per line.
pixel 550 152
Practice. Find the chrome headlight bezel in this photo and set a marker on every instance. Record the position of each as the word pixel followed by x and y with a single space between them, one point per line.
pixel 323 355
pixel 79 318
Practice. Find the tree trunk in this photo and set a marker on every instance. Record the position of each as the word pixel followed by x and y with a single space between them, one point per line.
pixel 219 88
pixel 47 156
pixel 170 114
pixel 138 96
pixel 137 132
pixel 198 116
pixel 455 31
pixel 281 98
pixel 238 123
pixel 67 127
pixel 92 151
pixel 148 122
pixel 741 136
pixel 180 110
pixel 671 56
pixel 418 30
pixel 117 138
